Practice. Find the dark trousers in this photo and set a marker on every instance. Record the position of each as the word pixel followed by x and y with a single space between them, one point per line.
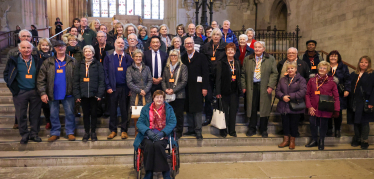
pixel 209 98
pixel 89 107
pixel 230 107
pixel 28 99
pixel 256 107
pixel 195 122
pixel 337 122
pixel 155 158
pixel 320 122
pixel 118 97
pixel 103 106
pixel 155 88
pixel 362 131
pixel 290 124
pixel 46 112
pixel 178 106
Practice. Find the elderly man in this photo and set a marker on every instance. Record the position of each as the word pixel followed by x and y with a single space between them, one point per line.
pixel 197 40
pixel 102 46
pixel 132 40
pixel 302 67
pixel 55 86
pixel 115 66
pixel 108 38
pixel 156 60
pixel 311 56
pixel 87 34
pixel 228 34
pixel 154 31
pixel 197 87
pixel 20 76
pixel 214 24
pixel 259 78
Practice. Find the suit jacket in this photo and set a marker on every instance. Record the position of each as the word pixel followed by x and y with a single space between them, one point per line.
pixel 147 59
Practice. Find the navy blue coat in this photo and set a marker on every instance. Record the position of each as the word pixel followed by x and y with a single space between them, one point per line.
pixel 231 37
pixel 342 73
pixel 249 51
pixel 109 70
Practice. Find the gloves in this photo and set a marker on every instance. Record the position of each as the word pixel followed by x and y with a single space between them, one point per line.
pixel 159 135
pixel 151 135
pixel 335 114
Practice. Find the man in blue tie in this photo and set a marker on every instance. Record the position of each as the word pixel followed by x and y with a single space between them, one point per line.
pixel 155 59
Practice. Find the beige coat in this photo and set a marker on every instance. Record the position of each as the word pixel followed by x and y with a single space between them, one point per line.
pixel 269 74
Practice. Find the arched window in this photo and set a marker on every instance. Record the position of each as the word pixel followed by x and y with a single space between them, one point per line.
pixel 147 9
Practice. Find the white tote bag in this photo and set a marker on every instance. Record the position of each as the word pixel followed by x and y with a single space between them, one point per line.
pixel 218 118
pixel 135 110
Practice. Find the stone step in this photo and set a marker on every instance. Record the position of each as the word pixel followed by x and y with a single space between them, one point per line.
pixel 3 60
pixel 5 91
pixel 187 155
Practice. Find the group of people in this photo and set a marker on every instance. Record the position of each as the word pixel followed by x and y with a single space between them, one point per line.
pixel 106 72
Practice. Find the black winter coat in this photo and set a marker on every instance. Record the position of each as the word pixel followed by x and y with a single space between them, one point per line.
pixel 342 73
pixel 100 56
pixel 197 40
pixel 302 68
pixel 95 86
pixel 220 54
pixel 196 68
pixel 357 98
pixel 224 77
pixel 317 58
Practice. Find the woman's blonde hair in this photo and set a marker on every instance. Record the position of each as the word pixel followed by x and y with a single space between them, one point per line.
pixel 117 25
pixel 293 65
pixel 200 26
pixel 176 37
pixel 92 25
pixel 41 41
pixel 72 37
pixel 369 69
pixel 127 26
pixel 173 52
pixel 324 63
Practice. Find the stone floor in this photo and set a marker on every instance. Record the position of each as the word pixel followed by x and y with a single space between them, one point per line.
pixel 320 169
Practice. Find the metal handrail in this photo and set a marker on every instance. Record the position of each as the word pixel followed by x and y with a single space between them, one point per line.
pixel 345 63
pixel 60 33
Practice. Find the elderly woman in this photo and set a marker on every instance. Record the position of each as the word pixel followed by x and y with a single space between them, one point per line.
pixel 174 81
pixel 73 49
pixel 259 77
pixel 244 50
pixel 156 123
pixel 361 97
pixel 291 89
pixel 181 31
pixel 250 34
pixel 228 87
pixel 200 32
pixel 143 34
pixel 341 72
pixel 214 52
pixel 177 45
pixel 165 36
pixel 131 29
pixel 74 31
pixel 88 89
pixel 139 80
pixel 321 84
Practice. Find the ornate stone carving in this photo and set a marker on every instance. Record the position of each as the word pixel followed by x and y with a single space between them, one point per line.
pixel 189 4
pixel 4 21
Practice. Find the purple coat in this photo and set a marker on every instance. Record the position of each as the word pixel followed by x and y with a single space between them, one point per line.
pixel 296 91
pixel 328 88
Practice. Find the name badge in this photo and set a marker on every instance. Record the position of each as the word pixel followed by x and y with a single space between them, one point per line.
pixel 233 77
pixel 60 71
pixel 28 76
pixel 317 92
pixel 86 79
pixel 213 58
pixel 199 79
pixel 101 60
pixel 120 68
pixel 314 67
pixel 171 80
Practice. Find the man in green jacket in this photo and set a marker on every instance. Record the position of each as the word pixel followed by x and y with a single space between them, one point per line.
pixel 87 34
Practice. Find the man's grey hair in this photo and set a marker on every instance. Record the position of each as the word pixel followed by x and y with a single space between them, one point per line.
pixel 250 29
pixel 102 32
pixel 132 34
pixel 22 31
pixel 154 26
pixel 227 21
pixel 297 52
pixel 118 39
pixel 89 47
pixel 191 24
pixel 217 31
pixel 189 38
pixel 19 45
pixel 243 36
pixel 260 42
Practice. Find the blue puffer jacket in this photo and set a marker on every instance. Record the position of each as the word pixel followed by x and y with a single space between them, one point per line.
pixel 143 124
pixel 231 37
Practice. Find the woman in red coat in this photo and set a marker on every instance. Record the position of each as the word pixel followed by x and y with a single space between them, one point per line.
pixel 251 35
pixel 321 84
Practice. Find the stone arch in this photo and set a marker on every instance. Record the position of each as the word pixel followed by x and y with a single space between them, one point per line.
pixel 280 11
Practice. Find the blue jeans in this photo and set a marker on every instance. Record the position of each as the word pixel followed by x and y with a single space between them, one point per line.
pixel 68 104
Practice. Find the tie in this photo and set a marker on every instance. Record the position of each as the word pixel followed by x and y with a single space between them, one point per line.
pixel 156 66
pixel 258 69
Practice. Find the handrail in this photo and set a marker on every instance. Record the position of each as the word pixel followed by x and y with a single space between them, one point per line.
pixel 345 63
pixel 60 33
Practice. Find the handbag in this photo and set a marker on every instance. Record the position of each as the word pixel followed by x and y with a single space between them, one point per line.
pixel 218 118
pixel 366 104
pixel 135 110
pixel 326 103
pixel 298 105
pixel 171 97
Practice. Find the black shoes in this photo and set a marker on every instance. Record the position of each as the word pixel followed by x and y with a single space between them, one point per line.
pixel 78 115
pixel 329 133
pixel 233 135
pixel 264 134
pixel 190 133
pixel 250 133
pixel 199 137
pixel 24 140
pixel 93 137
pixel 364 145
pixel 355 142
pixel 321 144
pixel 36 139
pixel 179 135
pixel 86 136
pixel 337 134
pixel 207 121
pixel 223 133
pixel 312 143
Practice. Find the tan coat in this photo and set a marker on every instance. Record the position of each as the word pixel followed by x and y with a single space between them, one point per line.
pixel 269 74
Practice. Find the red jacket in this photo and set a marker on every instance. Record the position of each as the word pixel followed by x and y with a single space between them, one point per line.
pixel 253 44
pixel 328 88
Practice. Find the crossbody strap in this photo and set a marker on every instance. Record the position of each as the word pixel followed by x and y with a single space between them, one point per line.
pixel 176 79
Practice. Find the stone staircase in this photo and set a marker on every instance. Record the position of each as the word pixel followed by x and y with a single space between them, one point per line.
pixel 212 149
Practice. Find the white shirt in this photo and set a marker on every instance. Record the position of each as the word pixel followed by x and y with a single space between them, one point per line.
pixel 249 44
pixel 115 53
pixel 158 62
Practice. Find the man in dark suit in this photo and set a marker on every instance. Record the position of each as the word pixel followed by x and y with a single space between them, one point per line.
pixel 155 59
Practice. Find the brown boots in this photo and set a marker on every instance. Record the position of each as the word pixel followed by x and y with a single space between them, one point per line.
pixel 288 141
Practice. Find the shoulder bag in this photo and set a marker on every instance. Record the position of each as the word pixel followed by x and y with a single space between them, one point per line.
pixel 171 97
pixel 135 110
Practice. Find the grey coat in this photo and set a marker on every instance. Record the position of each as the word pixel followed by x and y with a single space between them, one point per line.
pixel 179 90
pixel 138 81
pixel 269 75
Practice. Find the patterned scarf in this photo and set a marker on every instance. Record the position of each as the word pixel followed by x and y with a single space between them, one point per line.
pixel 159 117
pixel 321 79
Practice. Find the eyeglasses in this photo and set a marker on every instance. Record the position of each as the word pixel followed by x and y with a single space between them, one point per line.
pixel 173 55
pixel 190 43
pixel 322 68
pixel 132 39
pixel 25 36
pixel 100 36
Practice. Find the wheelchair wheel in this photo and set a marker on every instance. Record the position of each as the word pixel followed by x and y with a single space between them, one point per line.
pixel 139 164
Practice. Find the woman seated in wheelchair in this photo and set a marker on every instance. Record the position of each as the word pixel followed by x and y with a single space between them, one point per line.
pixel 155 124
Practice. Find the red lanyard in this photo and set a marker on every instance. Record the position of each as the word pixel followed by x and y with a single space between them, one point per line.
pixel 334 71
pixel 59 67
pixel 214 51
pixel 321 84
pixel 120 61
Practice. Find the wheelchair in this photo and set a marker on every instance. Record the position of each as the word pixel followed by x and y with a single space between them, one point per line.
pixel 172 157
